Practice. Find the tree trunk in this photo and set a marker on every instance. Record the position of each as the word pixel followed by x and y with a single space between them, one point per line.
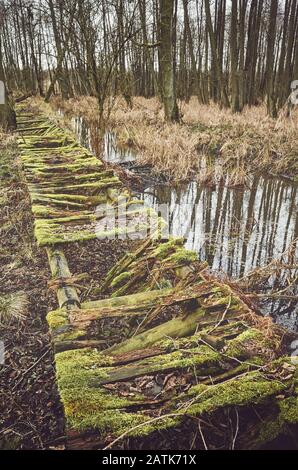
pixel 271 99
pixel 242 16
pixel 166 60
pixel 234 57
pixel 194 71
pixel 58 75
pixel 7 114
pixel 219 75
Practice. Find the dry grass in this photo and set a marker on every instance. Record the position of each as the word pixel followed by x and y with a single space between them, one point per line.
pixel 209 144
pixel 13 308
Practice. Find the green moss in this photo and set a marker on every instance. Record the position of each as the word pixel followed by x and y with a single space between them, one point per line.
pixel 51 231
pixel 248 390
pixel 121 278
pixel 40 166
pixel 57 319
pixel 66 200
pixel 181 256
pixel 71 335
pixel 48 234
pixel 237 347
pixel 86 405
pixel 289 410
pixel 286 414
pixel 164 249
pixel 96 185
pixel 201 359
pixel 76 366
pixel 40 211
pixel 69 219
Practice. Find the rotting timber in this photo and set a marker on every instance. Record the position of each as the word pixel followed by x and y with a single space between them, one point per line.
pixel 169 356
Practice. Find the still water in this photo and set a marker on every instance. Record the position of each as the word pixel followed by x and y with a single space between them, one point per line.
pixel 234 230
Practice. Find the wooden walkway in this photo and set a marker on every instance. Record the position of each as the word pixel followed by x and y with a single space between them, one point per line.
pixel 168 356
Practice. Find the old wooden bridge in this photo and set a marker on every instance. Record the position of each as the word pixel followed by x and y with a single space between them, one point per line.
pixel 167 356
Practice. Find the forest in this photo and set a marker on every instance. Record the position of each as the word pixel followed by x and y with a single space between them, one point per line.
pixel 149 225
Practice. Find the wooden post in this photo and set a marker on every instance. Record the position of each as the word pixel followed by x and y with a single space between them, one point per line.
pixel 67 295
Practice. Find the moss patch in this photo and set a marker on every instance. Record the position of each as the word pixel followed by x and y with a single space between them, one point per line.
pixel 57 319
pixel 86 405
pixel 250 389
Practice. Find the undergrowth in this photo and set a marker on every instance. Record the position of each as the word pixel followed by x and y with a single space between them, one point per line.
pixel 30 411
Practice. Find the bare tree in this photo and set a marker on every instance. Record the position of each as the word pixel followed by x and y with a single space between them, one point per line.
pixel 7 115
pixel 166 60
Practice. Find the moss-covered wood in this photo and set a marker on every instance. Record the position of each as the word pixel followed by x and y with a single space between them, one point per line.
pixel 168 352
pixel 61 174
pixel 182 381
pixel 213 358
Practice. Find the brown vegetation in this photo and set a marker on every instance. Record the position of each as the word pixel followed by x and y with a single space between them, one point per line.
pixel 209 142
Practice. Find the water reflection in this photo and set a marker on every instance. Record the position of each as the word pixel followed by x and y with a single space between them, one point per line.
pixel 233 230
pixel 104 145
pixel 236 231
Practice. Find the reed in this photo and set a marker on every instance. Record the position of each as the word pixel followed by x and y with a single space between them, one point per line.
pixel 236 145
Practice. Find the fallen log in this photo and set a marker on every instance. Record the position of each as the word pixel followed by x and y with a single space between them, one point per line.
pixel 67 295
pixel 211 359
pixel 172 392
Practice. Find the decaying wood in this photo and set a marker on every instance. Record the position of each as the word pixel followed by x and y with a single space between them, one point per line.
pixel 194 349
pixel 67 295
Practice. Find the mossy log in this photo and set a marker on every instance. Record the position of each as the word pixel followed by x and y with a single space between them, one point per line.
pixel 67 295
pixel 197 311
pixel 128 305
pixel 173 391
pixel 69 329
pixel 154 264
pixel 68 199
pixel 72 188
pixel 66 177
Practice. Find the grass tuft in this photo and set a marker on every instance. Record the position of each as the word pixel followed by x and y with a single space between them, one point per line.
pixel 13 308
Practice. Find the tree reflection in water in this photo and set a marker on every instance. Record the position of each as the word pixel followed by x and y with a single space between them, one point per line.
pixel 233 230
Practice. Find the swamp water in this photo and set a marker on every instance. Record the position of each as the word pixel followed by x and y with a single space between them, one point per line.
pixel 234 230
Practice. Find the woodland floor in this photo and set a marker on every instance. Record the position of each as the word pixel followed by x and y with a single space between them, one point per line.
pixel 31 415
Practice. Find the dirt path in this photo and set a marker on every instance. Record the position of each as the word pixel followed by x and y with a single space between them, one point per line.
pixel 30 411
